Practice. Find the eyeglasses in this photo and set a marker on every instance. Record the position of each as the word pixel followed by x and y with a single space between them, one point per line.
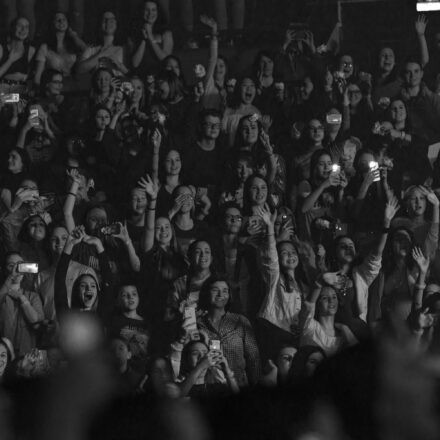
pixel 347 64
pixel 209 125
pixel 235 218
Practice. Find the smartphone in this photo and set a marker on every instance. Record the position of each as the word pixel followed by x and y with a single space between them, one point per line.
pixel 11 98
pixel 334 118
pixel 34 117
pixel 374 166
pixel 27 268
pixel 113 229
pixel 214 345
pixel 336 168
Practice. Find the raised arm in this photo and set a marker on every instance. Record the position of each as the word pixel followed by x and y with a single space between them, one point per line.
pixel 362 193
pixel 213 47
pixel 69 203
pixel 14 55
pixel 151 188
pixel 156 140
pixel 420 26
pixel 431 241
pixel 423 265
pixel 133 258
pixel 309 202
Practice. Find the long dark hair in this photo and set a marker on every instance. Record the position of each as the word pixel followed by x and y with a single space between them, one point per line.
pixel 51 38
pixel 389 262
pixel 76 302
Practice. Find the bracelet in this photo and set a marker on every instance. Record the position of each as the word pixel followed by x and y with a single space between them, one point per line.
pixel 420 286
pixel 385 230
pixel 151 209
pixel 71 193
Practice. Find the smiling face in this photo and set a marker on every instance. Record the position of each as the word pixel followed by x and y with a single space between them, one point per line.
pixel 413 74
pixel 102 119
pixel 15 163
pixel 323 167
pixel 36 229
pixel 138 201
pixel 219 295
pixel 387 60
pixel 55 86
pixel 220 68
pixel 398 111
pixel 109 23
pixel 129 298
pixel 288 257
pixel 58 239
pixel 163 232
pixel 327 302
pixel 257 192
pixel 201 257
pixel 88 291
pixel 172 163
pixel 21 31
pixel 247 91
pixel 60 22
pixel 249 132
pixel 345 251
pixel 150 12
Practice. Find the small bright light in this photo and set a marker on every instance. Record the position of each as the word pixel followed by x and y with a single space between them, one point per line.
pixel 428 6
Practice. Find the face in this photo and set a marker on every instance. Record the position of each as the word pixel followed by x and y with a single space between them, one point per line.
pixel 233 220
pixel 312 363
pixel 129 298
pixel 416 203
pixel 364 162
pixel 164 90
pixel 55 86
pixel 11 262
pixel 188 203
pixel 401 244
pixel 219 294
pixel 60 22
pixel 346 65
pixel 413 74
pixel 220 68
pixel 249 132
pixel 284 360
pixel 3 359
pixel 58 240
pixel 327 302
pixel 150 12
pixel 138 201
pixel 21 29
pixel 102 119
pixel 306 88
pixel 247 91
pixel 354 95
pixel 197 353
pixel 316 131
pixel 172 163
pixel 387 60
pixel 398 111
pixel 109 23
pixel 258 192
pixel 266 65
pixel 201 256
pixel 96 219
pixel 243 170
pixel 345 251
pixel 120 351
pixel 288 256
pixel 37 229
pixel 323 167
pixel 15 164
pixel 138 90
pixel 173 65
pixel 163 232
pixel 103 80
pixel 211 127
pixel 88 291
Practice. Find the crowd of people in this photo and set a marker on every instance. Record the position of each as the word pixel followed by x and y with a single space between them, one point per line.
pixel 229 232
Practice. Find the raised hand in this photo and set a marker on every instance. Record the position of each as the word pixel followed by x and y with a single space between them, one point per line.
pixel 334 279
pixel 76 236
pixel 123 232
pixel 430 195
pixel 74 175
pixel 420 24
pixel 264 212
pixel 420 259
pixel 266 122
pixel 391 209
pixel 265 141
pixel 150 187
pixel 210 22
pixel 156 139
